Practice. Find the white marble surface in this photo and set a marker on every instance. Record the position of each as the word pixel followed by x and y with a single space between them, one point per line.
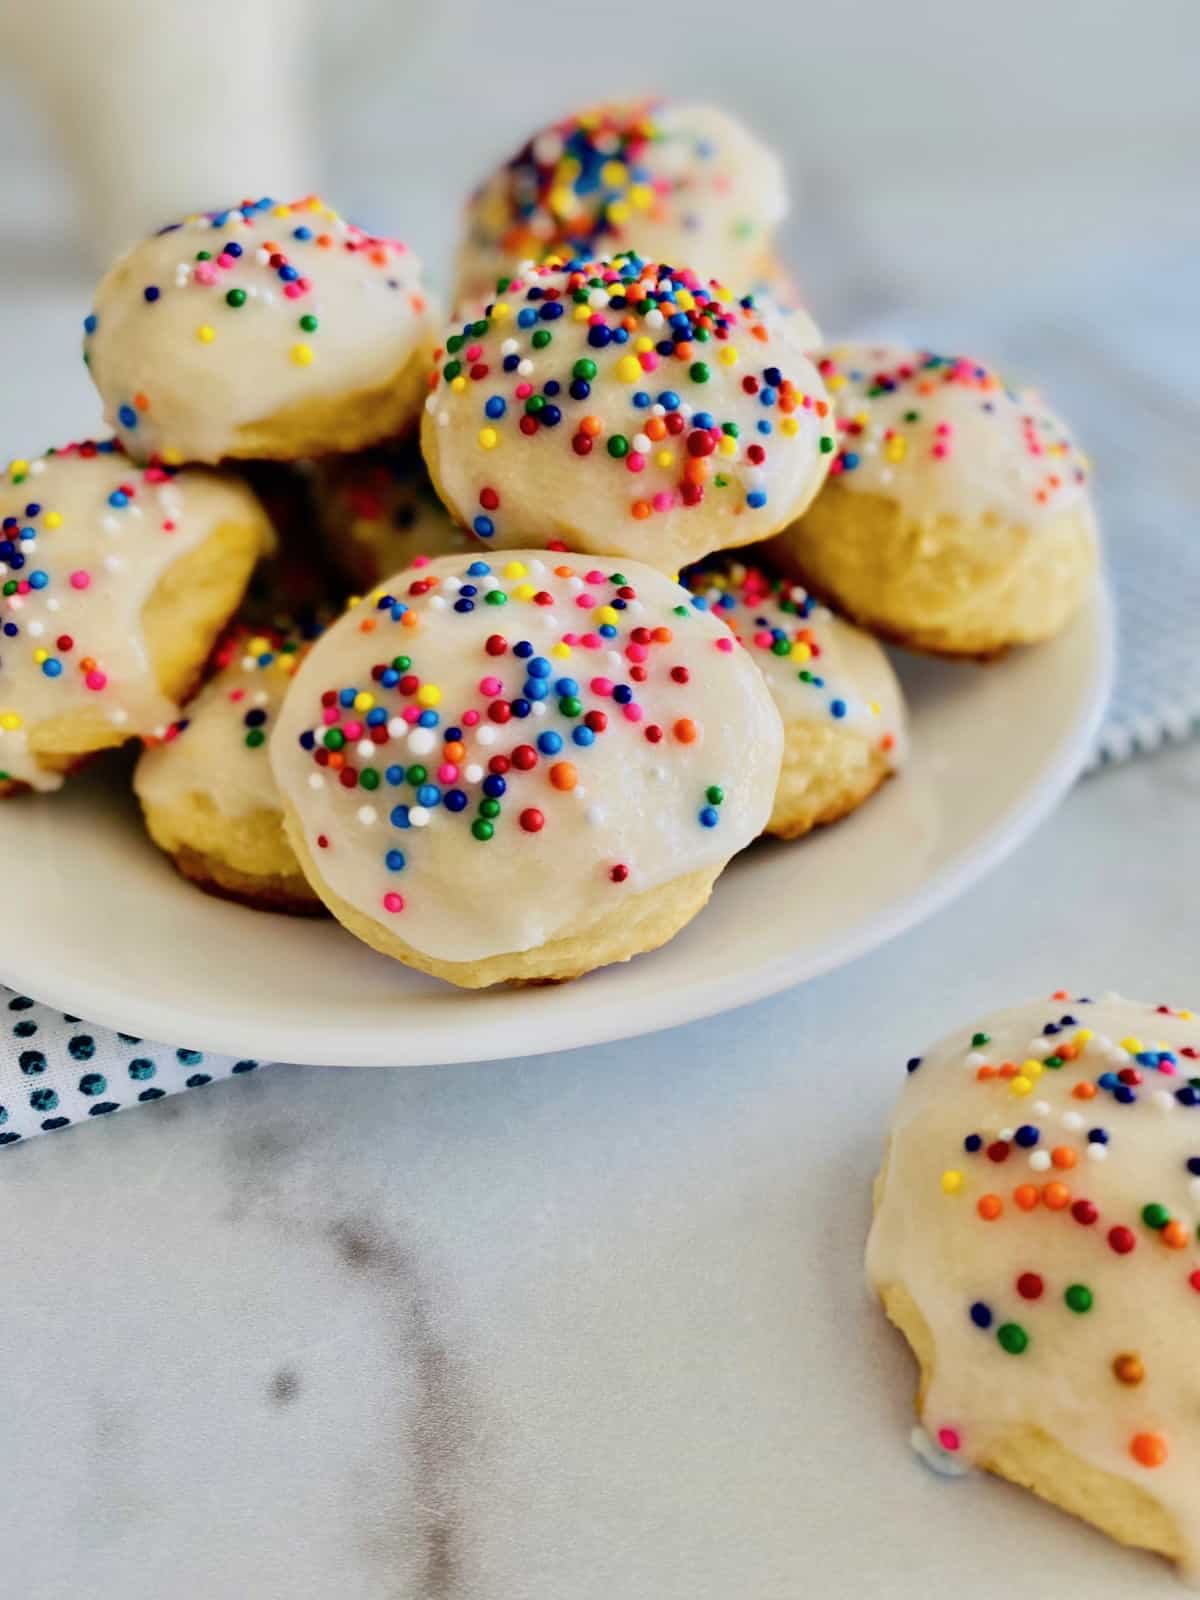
pixel 589 1325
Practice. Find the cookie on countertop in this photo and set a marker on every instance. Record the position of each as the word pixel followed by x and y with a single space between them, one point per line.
pixel 1035 1240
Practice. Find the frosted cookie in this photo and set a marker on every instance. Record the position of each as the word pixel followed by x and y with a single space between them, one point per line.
pixel 956 517
pixel 272 331
pixel 114 583
pixel 206 788
pixel 843 715
pixel 378 511
pixel 625 409
pixel 677 183
pixel 1035 1241
pixel 524 770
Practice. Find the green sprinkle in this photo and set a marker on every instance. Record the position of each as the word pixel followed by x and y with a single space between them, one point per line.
pixel 454 344
pixel 826 444
pixel 401 663
pixel 235 298
pixel 714 794
pixel 255 737
pixel 482 830
pixel 584 369
pixel 496 597
pixel 1079 1297
pixel 334 739
pixel 570 706
pixel 1155 1216
pixel 489 808
pixel 1012 1337
pixel 369 778
pixel 980 1039
pixel 618 445
pixel 698 372
pixel 417 775
pixel 451 370
pixel 541 338
pixel 1053 1061
pixel 309 323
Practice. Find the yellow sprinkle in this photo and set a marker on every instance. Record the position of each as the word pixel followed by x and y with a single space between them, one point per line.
pixel 728 356
pixel 952 1181
pixel 801 651
pixel 629 369
pixel 1084 1036
pixel 607 614
pixel 41 655
pixel 302 355
pixel 618 212
pixel 1019 1086
pixel 582 313
pixel 428 695
pixel 363 701
pixel 489 438
pixel 205 333
pixel 501 310
pixel 1032 1068
pixel 789 426
pixel 53 519
pixel 282 211
pixel 642 196
pixel 1131 1044
pixel 458 384
pixel 874 708
pixel 896 449
pixel 1186 1015
pixel 172 456
pixel 862 418
pixel 524 591
pixel 560 651
pixel 614 174
pixel 562 201
pixel 728 445
pixel 685 300
pixel 642 345
pixel 258 645
pixel 18 470
pixel 515 569
pixel 9 721
pixel 665 458
pixel 835 381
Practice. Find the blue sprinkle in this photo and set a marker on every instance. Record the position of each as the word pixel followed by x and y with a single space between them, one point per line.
pixel 496 406
pixel 981 1315
pixel 549 743
pixel 583 735
pixel 838 707
pixel 484 527
pixel 709 817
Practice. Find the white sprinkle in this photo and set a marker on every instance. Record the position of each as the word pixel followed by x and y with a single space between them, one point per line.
pixel 113 564
pixel 121 717
pixel 1072 1119
pixel 365 748
pixel 367 815
pixel 452 583
pixel 1040 1160
pixel 35 629
pixel 1041 1108
pixel 539 708
pixel 1164 1099
pixel 976 1059
pixel 418 816
pixel 473 773
pixel 261 698
pixel 1097 1152
pixel 437 602
pixel 421 741
pixel 525 367
pixel 597 816
pixel 509 347
pixel 486 736
pixel 1005 1134
pixel 315 781
pixel 396 726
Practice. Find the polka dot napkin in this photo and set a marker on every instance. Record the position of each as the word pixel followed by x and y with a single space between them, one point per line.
pixel 56 1071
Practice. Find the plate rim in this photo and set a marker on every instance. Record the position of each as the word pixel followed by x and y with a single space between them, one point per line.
pixel 946 883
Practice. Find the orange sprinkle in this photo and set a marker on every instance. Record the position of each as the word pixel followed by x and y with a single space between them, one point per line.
pixel 984 1073
pixel 989 1206
pixel 640 509
pixel 591 426
pixel 1084 1091
pixel 141 402
pixel 564 775
pixel 336 761
pixel 663 636
pixel 1060 994
pixel 1009 1069
pixel 1148 1449
pixel 656 429
pixel 1068 1052
pixel 1063 1157
pixel 1175 1236
pixel 1057 1196
pixel 1128 1369
pixel 1026 1196
pixel 563 572
pixel 455 751
pixel 684 730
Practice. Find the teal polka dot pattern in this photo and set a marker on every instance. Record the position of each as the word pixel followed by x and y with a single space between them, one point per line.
pixel 57 1071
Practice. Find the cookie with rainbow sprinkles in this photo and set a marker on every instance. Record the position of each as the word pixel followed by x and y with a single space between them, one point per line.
pixel 524 767
pixel 263 331
pixel 841 704
pixel 676 182
pixel 628 409
pixel 206 788
pixel 1036 1242
pixel 957 516
pixel 115 580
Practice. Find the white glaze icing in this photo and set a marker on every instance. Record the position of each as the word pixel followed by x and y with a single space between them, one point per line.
pixel 685 184
pixel 218 748
pixel 324 310
pixel 378 512
pixel 85 537
pixel 1110 1158
pixel 819 668
pixel 626 409
pixel 944 435
pixel 659 723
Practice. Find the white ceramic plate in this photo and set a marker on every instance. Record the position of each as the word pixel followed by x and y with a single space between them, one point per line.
pixel 97 923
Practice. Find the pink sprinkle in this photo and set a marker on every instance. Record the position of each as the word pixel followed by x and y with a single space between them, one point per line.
pixel 635 461
pixel 593 319
pixel 591 641
pixel 412 714
pixel 490 686
pixel 95 680
pixel 725 644
pixel 329 716
pixel 447 772
pixel 420 561
pixel 470 719
pixel 649 360
pixel 636 652
pixel 206 272
pixel 225 261
pixel 602 686
pixel 474 352
pixel 633 712
pixel 764 639
pixel 81 580
pixel 570 638
pixel 237 694
pixel 594 576
pixel 941 450
pixel 585 601
pixel 948 1438
pixel 1167 1070
pixel 393 902
pixel 943 428
pixel 293 291
pixel 523 391
pixel 663 500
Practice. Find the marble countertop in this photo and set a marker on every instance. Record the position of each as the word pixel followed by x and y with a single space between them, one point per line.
pixel 588 1325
